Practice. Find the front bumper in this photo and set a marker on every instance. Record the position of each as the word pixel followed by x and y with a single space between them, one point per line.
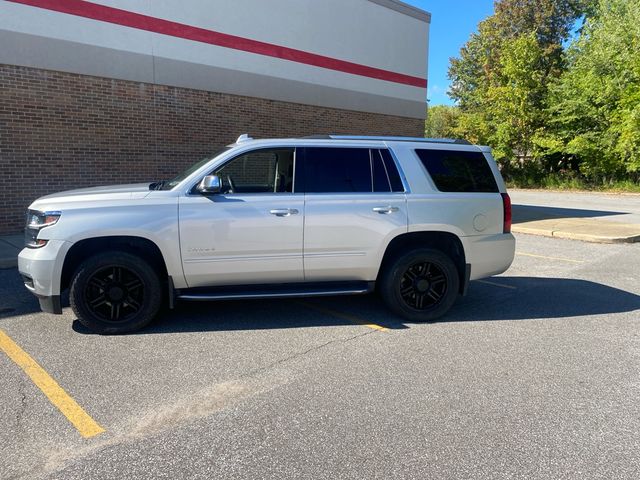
pixel 41 270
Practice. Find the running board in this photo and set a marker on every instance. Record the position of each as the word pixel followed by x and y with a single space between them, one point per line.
pixel 275 291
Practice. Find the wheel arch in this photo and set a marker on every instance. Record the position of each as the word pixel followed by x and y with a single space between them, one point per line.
pixel 445 242
pixel 140 246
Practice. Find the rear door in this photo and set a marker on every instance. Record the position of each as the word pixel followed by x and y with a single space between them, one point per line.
pixel 354 205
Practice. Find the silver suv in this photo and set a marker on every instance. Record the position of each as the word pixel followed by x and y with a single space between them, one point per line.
pixel 414 219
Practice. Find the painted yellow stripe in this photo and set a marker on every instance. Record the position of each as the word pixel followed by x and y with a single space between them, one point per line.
pixel 86 425
pixel 561 259
pixel 345 316
pixel 496 284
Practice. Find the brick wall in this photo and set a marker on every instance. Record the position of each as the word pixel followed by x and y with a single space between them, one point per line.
pixel 60 131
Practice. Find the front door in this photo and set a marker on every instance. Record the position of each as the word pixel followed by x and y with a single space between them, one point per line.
pixel 251 232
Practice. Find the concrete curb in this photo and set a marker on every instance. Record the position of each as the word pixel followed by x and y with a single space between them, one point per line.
pixel 583 229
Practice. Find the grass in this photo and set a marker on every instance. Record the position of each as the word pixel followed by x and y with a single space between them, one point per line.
pixel 555 182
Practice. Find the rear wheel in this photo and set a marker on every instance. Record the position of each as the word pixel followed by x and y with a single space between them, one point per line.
pixel 420 285
pixel 115 292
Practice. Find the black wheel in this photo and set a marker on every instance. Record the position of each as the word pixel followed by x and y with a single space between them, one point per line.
pixel 115 292
pixel 420 285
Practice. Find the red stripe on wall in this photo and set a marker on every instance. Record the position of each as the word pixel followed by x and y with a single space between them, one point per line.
pixel 139 21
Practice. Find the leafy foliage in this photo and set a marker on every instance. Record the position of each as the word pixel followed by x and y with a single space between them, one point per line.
pixel 545 108
pixel 594 108
pixel 441 121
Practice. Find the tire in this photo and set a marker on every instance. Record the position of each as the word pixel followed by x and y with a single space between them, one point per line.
pixel 115 292
pixel 420 285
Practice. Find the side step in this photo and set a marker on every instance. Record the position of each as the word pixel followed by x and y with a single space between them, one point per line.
pixel 285 290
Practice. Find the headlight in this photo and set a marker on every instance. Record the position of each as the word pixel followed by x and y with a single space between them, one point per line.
pixel 35 222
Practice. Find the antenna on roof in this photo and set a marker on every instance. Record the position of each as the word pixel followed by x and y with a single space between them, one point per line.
pixel 243 138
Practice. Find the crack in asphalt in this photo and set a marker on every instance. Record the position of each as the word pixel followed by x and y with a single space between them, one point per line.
pixel 23 404
pixel 303 353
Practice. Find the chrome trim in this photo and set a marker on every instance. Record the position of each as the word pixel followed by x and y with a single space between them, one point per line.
pixel 335 254
pixel 403 178
pixel 284 212
pixel 242 258
pixel 295 167
pixel 385 210
pixel 209 184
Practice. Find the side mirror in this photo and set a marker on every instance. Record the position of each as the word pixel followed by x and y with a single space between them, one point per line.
pixel 210 184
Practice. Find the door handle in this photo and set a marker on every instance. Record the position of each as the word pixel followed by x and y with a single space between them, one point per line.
pixel 385 210
pixel 284 212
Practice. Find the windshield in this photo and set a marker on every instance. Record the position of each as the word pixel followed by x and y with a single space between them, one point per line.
pixel 169 184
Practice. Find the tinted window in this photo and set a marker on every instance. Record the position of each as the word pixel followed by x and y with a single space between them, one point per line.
pixel 392 171
pixel 259 171
pixel 454 171
pixel 380 177
pixel 333 170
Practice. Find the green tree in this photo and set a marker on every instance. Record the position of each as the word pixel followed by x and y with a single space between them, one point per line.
pixel 500 81
pixel 441 122
pixel 594 108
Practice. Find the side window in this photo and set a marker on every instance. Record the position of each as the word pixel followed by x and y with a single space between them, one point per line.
pixel 380 177
pixel 260 171
pixel 458 171
pixel 392 171
pixel 337 170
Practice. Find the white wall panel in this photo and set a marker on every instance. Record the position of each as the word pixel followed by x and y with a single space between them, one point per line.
pixel 358 31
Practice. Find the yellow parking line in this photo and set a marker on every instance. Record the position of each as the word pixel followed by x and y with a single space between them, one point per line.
pixel 496 284
pixel 345 316
pixel 562 259
pixel 86 425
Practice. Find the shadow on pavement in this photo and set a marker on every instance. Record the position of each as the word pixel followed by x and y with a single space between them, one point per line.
pixel 15 299
pixel 530 213
pixel 267 315
pixel 530 298
pixel 533 298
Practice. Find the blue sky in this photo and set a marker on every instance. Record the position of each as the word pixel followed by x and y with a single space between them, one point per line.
pixel 452 21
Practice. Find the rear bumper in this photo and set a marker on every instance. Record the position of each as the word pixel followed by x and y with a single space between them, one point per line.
pixel 489 254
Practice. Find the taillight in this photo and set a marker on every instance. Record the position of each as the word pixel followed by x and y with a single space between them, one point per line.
pixel 506 206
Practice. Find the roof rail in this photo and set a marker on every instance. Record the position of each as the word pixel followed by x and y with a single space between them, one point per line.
pixel 451 141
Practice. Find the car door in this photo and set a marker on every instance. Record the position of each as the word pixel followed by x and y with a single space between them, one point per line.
pixel 250 232
pixel 354 205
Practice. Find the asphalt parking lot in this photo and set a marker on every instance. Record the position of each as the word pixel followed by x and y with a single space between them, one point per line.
pixel 535 374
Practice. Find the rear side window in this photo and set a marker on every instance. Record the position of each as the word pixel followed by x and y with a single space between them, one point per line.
pixel 455 171
pixel 392 170
pixel 337 170
pixel 349 170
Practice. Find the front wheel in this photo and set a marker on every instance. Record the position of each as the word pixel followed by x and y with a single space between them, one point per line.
pixel 420 285
pixel 115 292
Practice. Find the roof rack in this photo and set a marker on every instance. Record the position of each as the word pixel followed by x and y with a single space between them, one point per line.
pixel 450 141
